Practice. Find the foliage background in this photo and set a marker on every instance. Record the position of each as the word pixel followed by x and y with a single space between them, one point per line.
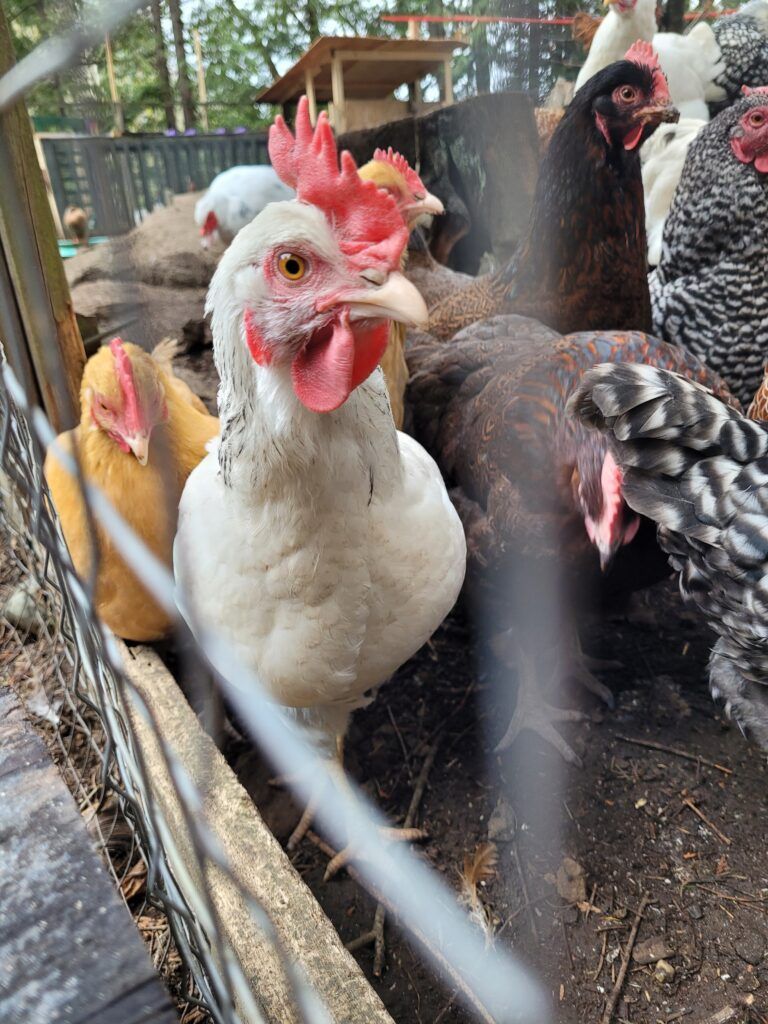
pixel 246 43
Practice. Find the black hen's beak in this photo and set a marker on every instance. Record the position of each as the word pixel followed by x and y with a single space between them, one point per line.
pixel 654 114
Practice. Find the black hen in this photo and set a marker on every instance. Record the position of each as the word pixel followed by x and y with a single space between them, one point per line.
pixel 700 470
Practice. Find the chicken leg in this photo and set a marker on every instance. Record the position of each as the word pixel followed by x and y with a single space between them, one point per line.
pixel 338 778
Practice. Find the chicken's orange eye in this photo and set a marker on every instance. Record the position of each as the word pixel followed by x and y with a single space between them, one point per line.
pixel 757 119
pixel 627 93
pixel 291 266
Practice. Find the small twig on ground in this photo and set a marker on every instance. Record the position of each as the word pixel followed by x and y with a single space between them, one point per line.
pixel 700 814
pixel 613 999
pixel 524 886
pixel 677 1016
pixel 401 741
pixel 601 961
pixel 652 745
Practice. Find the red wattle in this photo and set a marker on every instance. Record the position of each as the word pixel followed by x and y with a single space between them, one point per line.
pixel 633 136
pixel 369 348
pixel 261 353
pixel 761 163
pixel 322 372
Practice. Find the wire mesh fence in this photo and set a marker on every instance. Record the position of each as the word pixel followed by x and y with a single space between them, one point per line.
pixel 112 748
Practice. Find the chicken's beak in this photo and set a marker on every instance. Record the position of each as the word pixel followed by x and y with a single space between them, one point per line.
pixel 429 206
pixel 139 445
pixel 395 299
pixel 655 113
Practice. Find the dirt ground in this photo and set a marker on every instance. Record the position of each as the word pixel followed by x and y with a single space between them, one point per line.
pixel 623 819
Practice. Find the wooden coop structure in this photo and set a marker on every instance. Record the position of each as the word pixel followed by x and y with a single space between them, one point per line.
pixel 358 75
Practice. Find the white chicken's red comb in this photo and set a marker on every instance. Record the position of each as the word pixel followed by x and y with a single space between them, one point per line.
pixel 398 161
pixel 643 53
pixel 366 221
pixel 749 91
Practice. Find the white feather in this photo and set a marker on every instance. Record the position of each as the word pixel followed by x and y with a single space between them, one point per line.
pixel 237 195
pixel 663 157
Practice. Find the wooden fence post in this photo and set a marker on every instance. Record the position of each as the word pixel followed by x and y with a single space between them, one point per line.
pixel 28 238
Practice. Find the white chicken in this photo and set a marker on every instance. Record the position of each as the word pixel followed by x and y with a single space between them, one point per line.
pixel 314 538
pixel 690 62
pixel 662 158
pixel 234 198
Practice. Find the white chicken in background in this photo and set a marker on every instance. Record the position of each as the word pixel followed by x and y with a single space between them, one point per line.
pixel 317 541
pixel 662 158
pixel 690 62
pixel 234 198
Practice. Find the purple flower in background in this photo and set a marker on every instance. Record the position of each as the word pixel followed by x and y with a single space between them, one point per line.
pixel 170 131
pixel 219 131
pixel 239 130
pixel 191 131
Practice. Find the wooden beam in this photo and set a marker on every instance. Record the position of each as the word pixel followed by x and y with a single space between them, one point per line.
pixel 309 89
pixel 117 106
pixel 35 270
pixel 202 91
pixel 337 90
pixel 448 80
pixel 415 56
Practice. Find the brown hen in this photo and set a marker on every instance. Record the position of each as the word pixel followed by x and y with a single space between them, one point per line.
pixel 538 493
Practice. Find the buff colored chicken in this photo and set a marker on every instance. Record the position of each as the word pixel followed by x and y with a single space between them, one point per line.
pixel 141 433
pixel 391 172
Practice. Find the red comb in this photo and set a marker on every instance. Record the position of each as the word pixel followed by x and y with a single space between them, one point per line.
pixel 398 161
pixel 643 53
pixel 747 91
pixel 366 220
pixel 124 371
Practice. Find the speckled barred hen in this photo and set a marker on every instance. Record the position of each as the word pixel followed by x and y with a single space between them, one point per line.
pixel 743 41
pixel 540 496
pixel 710 290
pixel 699 470
pixel 586 235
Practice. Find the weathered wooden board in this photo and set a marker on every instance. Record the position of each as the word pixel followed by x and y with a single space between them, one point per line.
pixel 69 951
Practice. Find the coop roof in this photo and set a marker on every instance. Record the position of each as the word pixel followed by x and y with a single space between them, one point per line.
pixel 373 66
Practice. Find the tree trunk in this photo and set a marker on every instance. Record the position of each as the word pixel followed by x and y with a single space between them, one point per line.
pixel 673 20
pixel 161 65
pixel 313 22
pixel 481 59
pixel 185 89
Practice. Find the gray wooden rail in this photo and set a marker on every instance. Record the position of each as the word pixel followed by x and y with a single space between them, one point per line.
pixel 69 951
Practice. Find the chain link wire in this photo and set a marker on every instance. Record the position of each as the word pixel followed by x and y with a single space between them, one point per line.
pixel 70 671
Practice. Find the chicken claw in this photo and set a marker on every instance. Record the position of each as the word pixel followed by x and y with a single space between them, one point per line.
pixel 538 716
pixel 388 834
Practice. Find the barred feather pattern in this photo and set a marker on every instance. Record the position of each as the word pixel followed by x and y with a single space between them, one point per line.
pixel 700 470
pixel 710 291
pixel 743 41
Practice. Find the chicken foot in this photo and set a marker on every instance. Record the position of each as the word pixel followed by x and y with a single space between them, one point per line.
pixel 532 712
pixel 344 856
pixel 573 663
